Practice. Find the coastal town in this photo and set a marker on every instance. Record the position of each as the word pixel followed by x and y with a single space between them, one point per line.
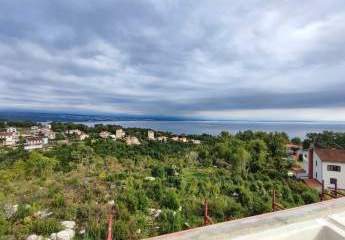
pixel 43 136
pixel 318 168
pixel 166 179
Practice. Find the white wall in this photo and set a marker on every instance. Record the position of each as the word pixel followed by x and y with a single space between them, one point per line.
pixel 305 161
pixel 31 147
pixel 317 165
pixel 340 176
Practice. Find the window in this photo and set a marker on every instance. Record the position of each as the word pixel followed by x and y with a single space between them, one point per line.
pixel 332 180
pixel 333 168
pixel 315 163
pixel 316 174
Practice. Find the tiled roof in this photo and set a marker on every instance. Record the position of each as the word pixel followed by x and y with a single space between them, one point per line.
pixel 331 155
pixel 6 134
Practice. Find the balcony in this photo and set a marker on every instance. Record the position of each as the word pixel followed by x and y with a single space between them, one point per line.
pixel 320 221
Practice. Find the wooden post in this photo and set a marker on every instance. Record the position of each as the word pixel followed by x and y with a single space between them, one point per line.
pixel 207 219
pixel 323 190
pixel 205 212
pixel 274 200
pixel 110 225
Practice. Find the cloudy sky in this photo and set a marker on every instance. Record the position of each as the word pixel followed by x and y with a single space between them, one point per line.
pixel 216 59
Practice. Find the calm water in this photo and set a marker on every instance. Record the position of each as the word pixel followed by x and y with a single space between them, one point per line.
pixel 215 127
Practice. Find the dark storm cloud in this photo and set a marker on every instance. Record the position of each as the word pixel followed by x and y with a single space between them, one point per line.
pixel 172 57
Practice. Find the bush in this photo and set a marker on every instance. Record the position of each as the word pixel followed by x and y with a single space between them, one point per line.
pixel 96 230
pixel 45 226
pixel 58 201
pixel 170 200
pixel 158 171
pixel 310 197
pixel 23 211
pixel 170 221
pixel 121 230
pixel 37 164
pixel 4 226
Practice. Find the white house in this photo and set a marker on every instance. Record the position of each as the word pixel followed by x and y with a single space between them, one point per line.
pixel 104 134
pixel 73 131
pixel 120 133
pixel 8 138
pixel 195 141
pixel 34 130
pixel 131 140
pixel 162 138
pixel 47 132
pixel 33 143
pixel 151 135
pixel 82 136
pixel 11 130
pixel 327 165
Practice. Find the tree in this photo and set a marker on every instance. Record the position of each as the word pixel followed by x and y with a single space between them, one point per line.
pixel 240 158
pixel 258 152
pixel 296 141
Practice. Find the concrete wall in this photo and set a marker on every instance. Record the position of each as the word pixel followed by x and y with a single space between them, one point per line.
pixel 246 228
pixel 340 176
pixel 305 161
pixel 317 165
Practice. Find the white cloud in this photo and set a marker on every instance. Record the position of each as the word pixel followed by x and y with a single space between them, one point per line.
pixel 222 58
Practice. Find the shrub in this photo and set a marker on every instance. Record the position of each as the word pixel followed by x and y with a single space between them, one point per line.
pixel 23 211
pixel 121 230
pixel 40 165
pixel 4 226
pixel 45 226
pixel 58 201
pixel 96 230
pixel 170 221
pixel 158 171
pixel 170 200
pixel 310 197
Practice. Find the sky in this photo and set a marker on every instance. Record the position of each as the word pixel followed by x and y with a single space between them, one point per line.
pixel 215 59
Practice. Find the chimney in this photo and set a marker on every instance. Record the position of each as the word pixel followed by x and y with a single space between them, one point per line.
pixel 311 163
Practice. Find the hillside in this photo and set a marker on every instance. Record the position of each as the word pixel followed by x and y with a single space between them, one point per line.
pixel 155 187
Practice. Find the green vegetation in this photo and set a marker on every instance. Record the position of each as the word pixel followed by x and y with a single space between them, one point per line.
pixel 157 187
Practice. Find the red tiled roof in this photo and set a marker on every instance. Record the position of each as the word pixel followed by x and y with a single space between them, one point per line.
pixel 6 134
pixel 331 155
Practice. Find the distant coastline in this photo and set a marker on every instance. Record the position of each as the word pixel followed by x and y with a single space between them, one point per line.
pixel 182 126
pixel 42 116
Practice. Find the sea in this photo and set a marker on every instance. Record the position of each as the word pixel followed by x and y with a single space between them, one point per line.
pixel 293 129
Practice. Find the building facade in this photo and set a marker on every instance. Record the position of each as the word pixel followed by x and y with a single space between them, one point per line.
pixel 328 166
pixel 120 134
pixel 33 143
pixel 8 138
pixel 151 135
